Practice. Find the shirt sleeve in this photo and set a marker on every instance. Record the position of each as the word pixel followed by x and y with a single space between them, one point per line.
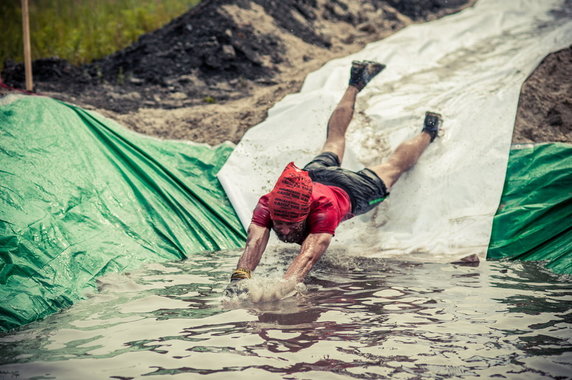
pixel 261 214
pixel 324 219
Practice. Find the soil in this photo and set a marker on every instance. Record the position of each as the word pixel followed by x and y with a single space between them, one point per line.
pixel 211 74
pixel 545 106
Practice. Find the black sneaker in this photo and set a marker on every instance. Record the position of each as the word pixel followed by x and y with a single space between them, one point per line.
pixel 432 124
pixel 364 71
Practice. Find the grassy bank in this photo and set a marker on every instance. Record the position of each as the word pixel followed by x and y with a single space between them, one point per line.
pixel 82 30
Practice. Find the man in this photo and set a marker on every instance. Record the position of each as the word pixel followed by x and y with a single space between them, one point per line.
pixel 306 205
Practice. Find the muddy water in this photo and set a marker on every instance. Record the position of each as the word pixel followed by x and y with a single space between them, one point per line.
pixel 360 318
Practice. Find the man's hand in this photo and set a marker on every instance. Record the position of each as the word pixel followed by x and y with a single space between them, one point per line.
pixel 235 288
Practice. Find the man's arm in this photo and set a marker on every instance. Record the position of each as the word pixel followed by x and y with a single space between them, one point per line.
pixel 312 249
pixel 255 246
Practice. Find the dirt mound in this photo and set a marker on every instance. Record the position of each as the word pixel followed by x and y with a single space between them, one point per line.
pixel 212 73
pixel 545 105
pixel 220 67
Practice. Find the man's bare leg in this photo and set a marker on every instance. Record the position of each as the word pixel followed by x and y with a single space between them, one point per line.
pixel 408 152
pixel 402 159
pixel 361 73
pixel 339 122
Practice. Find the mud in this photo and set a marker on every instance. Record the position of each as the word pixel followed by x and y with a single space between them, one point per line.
pixel 214 72
pixel 545 106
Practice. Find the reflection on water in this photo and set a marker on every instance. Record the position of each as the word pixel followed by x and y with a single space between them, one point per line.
pixel 361 318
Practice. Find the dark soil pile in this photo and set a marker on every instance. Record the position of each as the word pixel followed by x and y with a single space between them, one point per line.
pixel 221 65
pixel 545 105
pixel 212 73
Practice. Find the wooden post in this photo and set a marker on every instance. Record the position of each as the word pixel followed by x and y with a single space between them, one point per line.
pixel 27 48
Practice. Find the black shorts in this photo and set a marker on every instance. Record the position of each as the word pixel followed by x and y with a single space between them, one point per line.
pixel 365 188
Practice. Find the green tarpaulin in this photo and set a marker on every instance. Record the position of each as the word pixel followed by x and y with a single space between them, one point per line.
pixel 534 220
pixel 82 196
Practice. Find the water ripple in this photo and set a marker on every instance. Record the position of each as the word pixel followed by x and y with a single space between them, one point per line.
pixel 361 318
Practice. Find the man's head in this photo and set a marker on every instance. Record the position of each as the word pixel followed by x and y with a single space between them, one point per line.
pixel 289 201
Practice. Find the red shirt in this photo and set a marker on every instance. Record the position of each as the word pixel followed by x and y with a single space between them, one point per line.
pixel 329 206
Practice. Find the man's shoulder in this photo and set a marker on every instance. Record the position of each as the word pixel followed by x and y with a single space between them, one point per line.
pixel 323 217
pixel 265 199
pixel 261 213
pixel 322 196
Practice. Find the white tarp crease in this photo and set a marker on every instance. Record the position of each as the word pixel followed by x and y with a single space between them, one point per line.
pixel 469 67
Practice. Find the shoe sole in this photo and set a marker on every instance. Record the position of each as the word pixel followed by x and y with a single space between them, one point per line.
pixel 433 119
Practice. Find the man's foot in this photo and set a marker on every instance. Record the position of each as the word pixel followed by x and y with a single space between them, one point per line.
pixel 432 124
pixel 363 71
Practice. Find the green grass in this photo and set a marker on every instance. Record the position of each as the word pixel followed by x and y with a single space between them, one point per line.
pixel 82 30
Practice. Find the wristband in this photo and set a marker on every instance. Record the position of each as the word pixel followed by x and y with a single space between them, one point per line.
pixel 240 274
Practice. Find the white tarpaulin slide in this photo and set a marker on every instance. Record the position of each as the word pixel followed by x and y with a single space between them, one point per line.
pixel 469 67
